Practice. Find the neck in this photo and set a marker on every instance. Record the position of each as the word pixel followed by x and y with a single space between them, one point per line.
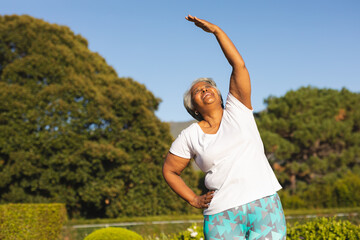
pixel 212 118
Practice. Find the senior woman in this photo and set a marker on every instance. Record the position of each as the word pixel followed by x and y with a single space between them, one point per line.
pixel 242 202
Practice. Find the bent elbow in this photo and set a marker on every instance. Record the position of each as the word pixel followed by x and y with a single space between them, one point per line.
pixel 240 66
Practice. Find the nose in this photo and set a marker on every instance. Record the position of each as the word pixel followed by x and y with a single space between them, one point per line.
pixel 204 89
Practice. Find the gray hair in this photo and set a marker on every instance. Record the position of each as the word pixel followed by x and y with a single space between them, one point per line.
pixel 188 104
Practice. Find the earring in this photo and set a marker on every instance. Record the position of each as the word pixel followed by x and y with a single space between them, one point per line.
pixel 196 113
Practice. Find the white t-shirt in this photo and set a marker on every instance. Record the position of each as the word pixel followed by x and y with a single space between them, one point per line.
pixel 233 159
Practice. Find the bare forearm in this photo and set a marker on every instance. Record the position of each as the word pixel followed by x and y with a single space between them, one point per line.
pixel 172 168
pixel 240 86
pixel 179 186
pixel 229 49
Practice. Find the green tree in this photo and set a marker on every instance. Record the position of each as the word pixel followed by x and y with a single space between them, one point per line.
pixel 72 131
pixel 312 135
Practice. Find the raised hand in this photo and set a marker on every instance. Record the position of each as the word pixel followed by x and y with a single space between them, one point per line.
pixel 203 24
pixel 202 201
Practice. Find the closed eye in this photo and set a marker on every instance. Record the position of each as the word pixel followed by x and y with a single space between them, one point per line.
pixel 197 90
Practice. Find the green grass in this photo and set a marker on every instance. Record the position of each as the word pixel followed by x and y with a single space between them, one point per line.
pixel 148 231
pixel 151 231
pixel 288 212
pixel 296 212
pixel 134 219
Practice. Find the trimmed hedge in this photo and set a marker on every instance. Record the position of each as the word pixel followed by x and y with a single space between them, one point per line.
pixel 113 233
pixel 324 228
pixel 31 221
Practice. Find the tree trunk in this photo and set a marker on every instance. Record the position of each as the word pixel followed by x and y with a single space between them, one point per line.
pixel 293 183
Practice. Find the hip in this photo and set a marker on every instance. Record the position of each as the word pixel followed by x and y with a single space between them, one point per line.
pixel 263 217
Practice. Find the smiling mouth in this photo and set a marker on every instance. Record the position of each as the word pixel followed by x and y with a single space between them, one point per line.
pixel 206 94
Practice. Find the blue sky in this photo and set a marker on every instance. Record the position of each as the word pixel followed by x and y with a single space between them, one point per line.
pixel 285 44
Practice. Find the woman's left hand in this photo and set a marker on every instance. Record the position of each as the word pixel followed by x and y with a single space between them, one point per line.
pixel 203 24
pixel 202 201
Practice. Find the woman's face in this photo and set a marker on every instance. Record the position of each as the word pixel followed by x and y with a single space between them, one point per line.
pixel 203 94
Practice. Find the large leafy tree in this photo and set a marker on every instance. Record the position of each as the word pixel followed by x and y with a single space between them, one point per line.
pixel 312 135
pixel 72 131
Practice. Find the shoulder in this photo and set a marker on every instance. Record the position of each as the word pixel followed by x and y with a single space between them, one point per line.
pixel 187 133
pixel 190 130
pixel 183 144
pixel 233 104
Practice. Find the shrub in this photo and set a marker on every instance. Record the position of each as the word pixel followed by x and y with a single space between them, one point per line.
pixel 343 191
pixel 112 233
pixel 291 201
pixel 347 190
pixel 192 233
pixel 324 228
pixel 31 221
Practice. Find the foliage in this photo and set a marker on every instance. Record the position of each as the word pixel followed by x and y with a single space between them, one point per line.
pixel 289 201
pixel 72 131
pixel 312 136
pixel 340 192
pixel 194 232
pixel 324 228
pixel 113 233
pixel 31 221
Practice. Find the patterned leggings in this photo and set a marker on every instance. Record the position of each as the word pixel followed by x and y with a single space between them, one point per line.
pixel 261 219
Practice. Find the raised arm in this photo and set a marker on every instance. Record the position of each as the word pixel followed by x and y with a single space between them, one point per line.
pixel 240 86
pixel 173 166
